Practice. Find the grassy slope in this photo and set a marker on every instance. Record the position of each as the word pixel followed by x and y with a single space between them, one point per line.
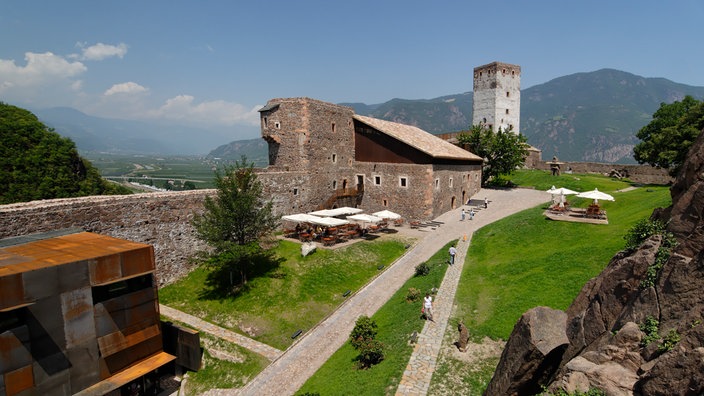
pixel 295 296
pixel 397 319
pixel 545 263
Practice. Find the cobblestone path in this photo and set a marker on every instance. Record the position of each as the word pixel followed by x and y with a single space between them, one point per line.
pixel 217 331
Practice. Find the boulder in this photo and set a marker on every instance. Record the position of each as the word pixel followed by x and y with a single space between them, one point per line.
pixel 463 337
pixel 532 354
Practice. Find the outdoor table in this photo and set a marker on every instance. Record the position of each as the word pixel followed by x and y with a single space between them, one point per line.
pixel 304 236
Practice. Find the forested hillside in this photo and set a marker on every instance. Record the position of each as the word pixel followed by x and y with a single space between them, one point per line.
pixel 37 163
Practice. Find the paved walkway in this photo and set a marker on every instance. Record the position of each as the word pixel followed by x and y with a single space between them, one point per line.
pixel 265 350
pixel 416 378
pixel 286 374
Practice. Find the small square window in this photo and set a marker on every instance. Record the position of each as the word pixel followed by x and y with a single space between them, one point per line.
pixel 334 184
pixel 508 94
pixel 277 125
pixel 333 127
pixel 334 158
pixel 295 191
pixel 377 180
pixel 385 203
pixel 506 111
pixel 450 182
pixel 403 182
pixel 437 183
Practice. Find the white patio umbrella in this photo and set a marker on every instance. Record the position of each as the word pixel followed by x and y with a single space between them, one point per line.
pixel 323 213
pixel 596 195
pixel 387 214
pixel 329 221
pixel 366 218
pixel 345 210
pixel 301 218
pixel 561 192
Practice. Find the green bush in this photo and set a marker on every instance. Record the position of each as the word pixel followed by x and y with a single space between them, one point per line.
pixel 413 294
pixel 642 230
pixel 362 338
pixel 422 269
pixel 669 341
pixel 650 328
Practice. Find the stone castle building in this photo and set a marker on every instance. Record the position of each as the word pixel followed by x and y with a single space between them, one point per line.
pixel 323 155
pixel 497 96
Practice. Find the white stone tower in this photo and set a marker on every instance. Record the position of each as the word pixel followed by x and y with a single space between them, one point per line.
pixel 497 96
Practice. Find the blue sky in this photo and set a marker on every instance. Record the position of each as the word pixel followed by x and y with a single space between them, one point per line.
pixel 214 63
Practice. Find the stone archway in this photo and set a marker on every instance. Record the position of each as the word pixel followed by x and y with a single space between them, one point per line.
pixel 453 202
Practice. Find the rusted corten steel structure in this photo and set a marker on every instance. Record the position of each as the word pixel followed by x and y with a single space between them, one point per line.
pixel 79 314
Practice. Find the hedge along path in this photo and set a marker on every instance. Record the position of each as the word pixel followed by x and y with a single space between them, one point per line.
pixel 286 374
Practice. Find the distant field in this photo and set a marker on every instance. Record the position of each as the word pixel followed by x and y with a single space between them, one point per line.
pixel 158 169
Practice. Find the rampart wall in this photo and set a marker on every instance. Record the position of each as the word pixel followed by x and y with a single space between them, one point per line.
pixel 158 219
pixel 643 174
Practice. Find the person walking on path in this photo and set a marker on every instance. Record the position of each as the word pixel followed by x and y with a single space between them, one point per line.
pixel 428 306
pixel 471 214
pixel 486 203
pixel 453 252
pixel 462 215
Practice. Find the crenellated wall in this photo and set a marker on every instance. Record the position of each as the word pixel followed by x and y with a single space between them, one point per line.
pixel 159 219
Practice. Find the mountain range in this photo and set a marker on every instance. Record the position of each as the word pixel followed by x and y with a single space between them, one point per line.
pixel 590 116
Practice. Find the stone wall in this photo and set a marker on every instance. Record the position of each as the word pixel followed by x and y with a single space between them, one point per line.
pixel 644 174
pixel 159 219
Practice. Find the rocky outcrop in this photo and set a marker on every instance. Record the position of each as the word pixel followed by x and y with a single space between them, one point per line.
pixel 605 347
pixel 539 339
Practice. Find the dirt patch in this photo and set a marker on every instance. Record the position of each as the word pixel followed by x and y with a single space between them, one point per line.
pixel 476 352
pixel 465 373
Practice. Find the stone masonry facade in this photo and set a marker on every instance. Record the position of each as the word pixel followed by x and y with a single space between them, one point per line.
pixel 158 219
pixel 312 160
pixel 497 96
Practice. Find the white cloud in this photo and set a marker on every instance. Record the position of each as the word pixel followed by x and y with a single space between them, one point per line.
pixel 183 107
pixel 40 69
pixel 45 80
pixel 125 88
pixel 101 51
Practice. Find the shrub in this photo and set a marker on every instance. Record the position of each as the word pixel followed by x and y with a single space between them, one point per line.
pixel 650 328
pixel 669 341
pixel 422 269
pixel 642 230
pixel 413 294
pixel 371 352
pixel 362 338
pixel 364 328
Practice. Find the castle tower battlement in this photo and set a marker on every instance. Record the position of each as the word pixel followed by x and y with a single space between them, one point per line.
pixel 497 96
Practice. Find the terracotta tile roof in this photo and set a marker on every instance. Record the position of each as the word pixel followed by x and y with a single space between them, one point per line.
pixel 419 139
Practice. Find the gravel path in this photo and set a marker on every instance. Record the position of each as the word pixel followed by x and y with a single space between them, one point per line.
pixel 286 374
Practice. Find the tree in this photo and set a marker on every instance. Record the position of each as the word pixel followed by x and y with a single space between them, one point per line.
pixel 38 163
pixel 666 140
pixel 363 339
pixel 502 151
pixel 233 224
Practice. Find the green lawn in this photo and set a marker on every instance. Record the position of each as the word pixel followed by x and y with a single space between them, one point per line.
pixel 513 265
pixel 397 319
pixel 296 295
pixel 526 260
